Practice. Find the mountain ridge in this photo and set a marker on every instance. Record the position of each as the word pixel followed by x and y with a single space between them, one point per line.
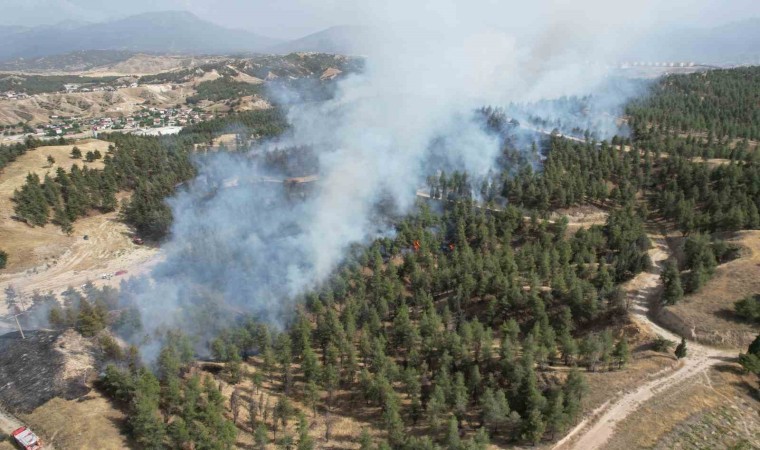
pixel 166 31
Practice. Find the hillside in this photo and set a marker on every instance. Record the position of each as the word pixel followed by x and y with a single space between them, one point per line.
pixel 166 32
pixel 346 40
pixel 504 310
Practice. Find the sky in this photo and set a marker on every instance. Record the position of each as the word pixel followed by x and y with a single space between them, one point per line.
pixel 289 19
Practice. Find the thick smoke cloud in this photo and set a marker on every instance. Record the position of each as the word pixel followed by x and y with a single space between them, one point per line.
pixel 241 243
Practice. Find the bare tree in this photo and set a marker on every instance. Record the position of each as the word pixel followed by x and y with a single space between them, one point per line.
pixel 235 405
pixel 253 412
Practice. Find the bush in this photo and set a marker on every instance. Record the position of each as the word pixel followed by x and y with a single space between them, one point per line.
pixel 661 344
pixel 111 349
pixel 749 308
pixel 3 259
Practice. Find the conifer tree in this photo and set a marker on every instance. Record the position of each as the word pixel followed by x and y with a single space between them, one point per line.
pixel 681 349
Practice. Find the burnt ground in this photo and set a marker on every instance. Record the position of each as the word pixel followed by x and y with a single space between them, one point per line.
pixel 32 371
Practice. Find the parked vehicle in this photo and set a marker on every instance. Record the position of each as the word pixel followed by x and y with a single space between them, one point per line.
pixel 26 439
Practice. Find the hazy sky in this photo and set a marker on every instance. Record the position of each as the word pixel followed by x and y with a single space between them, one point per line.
pixel 295 18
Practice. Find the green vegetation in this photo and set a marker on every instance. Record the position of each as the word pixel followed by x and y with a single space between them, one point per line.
pixel 448 334
pixel 748 308
pixel 9 153
pixel 681 349
pixel 40 84
pixel 751 360
pixel 224 88
pixel 721 103
pixel 149 167
pixel 661 344
pixel 167 410
pixel 259 124
pixel 3 259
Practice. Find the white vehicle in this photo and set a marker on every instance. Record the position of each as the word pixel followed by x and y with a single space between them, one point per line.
pixel 26 439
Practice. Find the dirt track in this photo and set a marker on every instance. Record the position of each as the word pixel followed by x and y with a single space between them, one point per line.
pixel 9 423
pixel 594 432
pixel 46 259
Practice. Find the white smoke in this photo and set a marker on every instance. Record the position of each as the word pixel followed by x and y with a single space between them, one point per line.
pixel 429 66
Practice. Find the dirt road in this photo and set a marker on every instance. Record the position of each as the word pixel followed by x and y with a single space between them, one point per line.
pixel 9 423
pixel 44 258
pixel 107 250
pixel 594 432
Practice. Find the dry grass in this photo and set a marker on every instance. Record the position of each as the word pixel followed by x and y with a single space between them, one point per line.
pixel 708 315
pixel 22 242
pixel 348 417
pixel 643 365
pixel 350 414
pixel 685 417
pixel 580 217
pixel 44 258
pixel 90 422
pixel 37 109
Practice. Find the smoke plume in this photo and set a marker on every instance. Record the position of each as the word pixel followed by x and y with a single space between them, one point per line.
pixel 240 244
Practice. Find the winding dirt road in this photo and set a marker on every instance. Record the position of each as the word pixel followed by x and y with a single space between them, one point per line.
pixel 595 431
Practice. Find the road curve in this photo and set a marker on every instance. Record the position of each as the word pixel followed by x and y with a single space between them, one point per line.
pixel 595 431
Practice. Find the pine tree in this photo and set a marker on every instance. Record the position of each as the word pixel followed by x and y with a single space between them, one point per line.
pixel 305 442
pixel 453 440
pixel 567 347
pixel 621 353
pixel 235 404
pixel 392 418
pixel 31 203
pixel 147 427
pixel 533 426
pixel 365 440
pixel 261 437
pixel 556 418
pixel 436 408
pixel 681 349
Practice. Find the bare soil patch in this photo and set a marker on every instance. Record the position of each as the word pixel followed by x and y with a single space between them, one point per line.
pixel 38 108
pixel 44 258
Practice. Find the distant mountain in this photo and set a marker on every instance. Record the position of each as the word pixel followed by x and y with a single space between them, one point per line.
pixel 733 43
pixel 78 61
pixel 7 30
pixel 344 40
pixel 164 32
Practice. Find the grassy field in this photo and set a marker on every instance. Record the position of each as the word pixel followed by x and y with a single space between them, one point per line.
pixel 716 410
pixel 708 315
pixel 45 258
pixel 90 422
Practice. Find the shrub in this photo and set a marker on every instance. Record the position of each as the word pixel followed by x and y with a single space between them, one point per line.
pixel 748 308
pixel 661 344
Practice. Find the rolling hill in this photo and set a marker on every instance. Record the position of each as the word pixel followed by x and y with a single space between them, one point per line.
pixel 162 32
pixel 344 39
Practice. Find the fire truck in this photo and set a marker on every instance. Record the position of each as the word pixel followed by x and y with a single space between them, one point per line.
pixel 26 439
